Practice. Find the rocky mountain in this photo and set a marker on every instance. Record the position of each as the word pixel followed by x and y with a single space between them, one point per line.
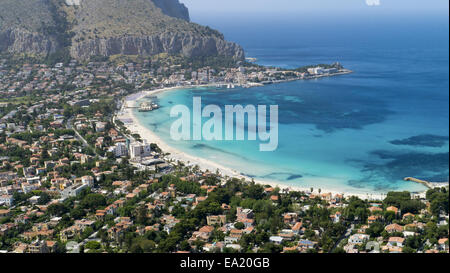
pixel 86 28
pixel 22 27
pixel 173 8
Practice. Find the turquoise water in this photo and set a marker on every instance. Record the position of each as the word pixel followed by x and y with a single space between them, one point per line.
pixel 362 132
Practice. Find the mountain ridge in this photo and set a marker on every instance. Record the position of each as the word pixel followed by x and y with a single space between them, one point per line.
pixel 86 28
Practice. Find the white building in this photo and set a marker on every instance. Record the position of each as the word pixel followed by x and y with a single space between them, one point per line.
pixel 88 180
pixel 138 150
pixel 358 238
pixel 34 199
pixel 120 150
pixel 73 190
pixel 231 240
pixel 316 70
pixel 27 188
pixel 408 233
pixel 6 200
pixel 276 239
pixel 73 2
pixel 100 126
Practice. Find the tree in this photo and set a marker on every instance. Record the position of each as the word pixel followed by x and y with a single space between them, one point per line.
pixel 59 248
pixel 408 249
pixel 57 209
pixel 77 213
pixel 92 201
pixel 141 215
pixel 239 225
pixel 184 246
pixel 375 229
pixel 389 216
pixel 356 210
pixel 339 250
pixel 439 200
pixel 44 198
pixel 92 245
pixel 136 248
pixel 271 248
pixel 413 242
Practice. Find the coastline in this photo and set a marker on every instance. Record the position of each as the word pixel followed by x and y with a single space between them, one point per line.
pixel 135 126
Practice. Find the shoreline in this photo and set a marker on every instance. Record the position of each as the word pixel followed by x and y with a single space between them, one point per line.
pixel 135 126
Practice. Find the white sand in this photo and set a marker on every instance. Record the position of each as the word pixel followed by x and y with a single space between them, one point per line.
pixel 204 164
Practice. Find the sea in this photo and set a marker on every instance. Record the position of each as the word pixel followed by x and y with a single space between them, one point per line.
pixel 358 133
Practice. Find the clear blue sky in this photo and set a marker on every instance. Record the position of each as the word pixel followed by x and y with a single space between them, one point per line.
pixel 251 7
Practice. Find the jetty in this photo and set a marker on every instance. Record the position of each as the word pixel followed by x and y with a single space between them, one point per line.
pixel 147 107
pixel 428 184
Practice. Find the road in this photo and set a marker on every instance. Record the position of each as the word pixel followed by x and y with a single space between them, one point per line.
pixel 346 235
pixel 80 137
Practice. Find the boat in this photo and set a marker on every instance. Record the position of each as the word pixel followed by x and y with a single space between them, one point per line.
pixel 155 106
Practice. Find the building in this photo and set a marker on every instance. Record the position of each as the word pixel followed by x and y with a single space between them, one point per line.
pixel 34 199
pixel 120 149
pixel 396 242
pixel 38 247
pixel 216 220
pixel 443 244
pixel 306 244
pixel 100 126
pixel 88 180
pixel 297 228
pixel 6 200
pixel 4 213
pixel 394 210
pixel 393 228
pixel 358 239
pixel 139 150
pixel 73 190
pixel 242 214
pixel 276 239
pixel 316 70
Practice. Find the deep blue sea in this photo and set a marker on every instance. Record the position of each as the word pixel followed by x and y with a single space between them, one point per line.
pixel 363 132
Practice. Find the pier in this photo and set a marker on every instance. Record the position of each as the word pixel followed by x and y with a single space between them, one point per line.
pixel 430 185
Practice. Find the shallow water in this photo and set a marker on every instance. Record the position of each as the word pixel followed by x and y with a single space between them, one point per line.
pixel 362 132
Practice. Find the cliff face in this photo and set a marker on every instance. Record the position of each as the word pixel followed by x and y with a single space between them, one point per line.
pixel 21 41
pixel 23 26
pixel 173 8
pixel 185 44
pixel 107 27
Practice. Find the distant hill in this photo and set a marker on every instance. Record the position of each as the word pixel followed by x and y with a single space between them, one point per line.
pixel 85 28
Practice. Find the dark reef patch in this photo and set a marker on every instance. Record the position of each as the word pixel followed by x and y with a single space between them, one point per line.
pixel 207 147
pixel 248 175
pixel 393 167
pixel 289 176
pixel 294 176
pixel 400 165
pixel 423 141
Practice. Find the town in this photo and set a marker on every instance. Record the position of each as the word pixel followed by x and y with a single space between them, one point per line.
pixel 74 180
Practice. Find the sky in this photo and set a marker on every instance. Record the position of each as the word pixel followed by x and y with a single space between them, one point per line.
pixel 200 8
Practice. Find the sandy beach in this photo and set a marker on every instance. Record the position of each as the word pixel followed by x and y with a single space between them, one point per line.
pixel 133 124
